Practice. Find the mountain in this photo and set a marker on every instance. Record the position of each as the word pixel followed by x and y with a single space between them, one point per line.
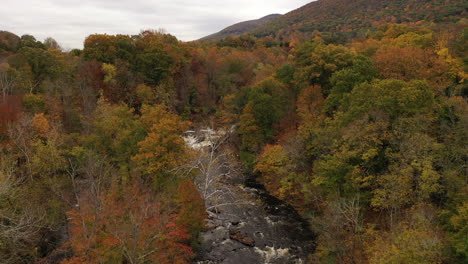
pixel 8 41
pixel 352 17
pixel 349 18
pixel 241 28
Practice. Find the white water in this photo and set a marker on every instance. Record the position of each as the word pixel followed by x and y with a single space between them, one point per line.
pixel 270 254
pixel 277 238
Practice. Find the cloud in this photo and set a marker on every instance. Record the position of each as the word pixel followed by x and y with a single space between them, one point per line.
pixel 70 21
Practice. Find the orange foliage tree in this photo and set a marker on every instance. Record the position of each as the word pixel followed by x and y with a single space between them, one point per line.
pixel 412 63
pixel 126 225
pixel 192 211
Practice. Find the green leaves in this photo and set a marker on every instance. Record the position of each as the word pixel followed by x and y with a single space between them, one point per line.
pixel 316 63
pixel 394 97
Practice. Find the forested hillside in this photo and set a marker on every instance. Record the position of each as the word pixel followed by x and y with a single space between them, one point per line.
pixel 365 137
pixel 241 28
pixel 342 20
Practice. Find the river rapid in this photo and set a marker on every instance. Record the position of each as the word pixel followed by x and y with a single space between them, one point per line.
pixel 246 225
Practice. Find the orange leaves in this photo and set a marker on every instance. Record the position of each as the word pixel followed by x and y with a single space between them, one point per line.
pixel 310 102
pixel 126 225
pixel 192 211
pixel 41 125
pixel 410 63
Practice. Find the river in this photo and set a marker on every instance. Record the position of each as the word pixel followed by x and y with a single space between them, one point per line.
pixel 246 225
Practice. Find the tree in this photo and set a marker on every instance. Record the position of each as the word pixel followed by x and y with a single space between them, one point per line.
pixel 340 230
pixel 263 107
pixel 316 63
pixel 7 82
pixel 163 149
pixel 415 241
pixel 41 125
pixel 51 43
pixel 459 230
pixel 20 229
pixel 192 212
pixel 100 48
pixel 155 64
pixel 278 174
pixel 252 135
pixel 9 113
pixel 412 63
pixel 126 225
pixel 394 97
pixel 345 80
pixel 116 132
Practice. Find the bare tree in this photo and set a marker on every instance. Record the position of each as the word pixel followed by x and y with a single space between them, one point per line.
pixel 21 136
pixel 7 83
pixel 51 43
pixel 19 229
pixel 213 169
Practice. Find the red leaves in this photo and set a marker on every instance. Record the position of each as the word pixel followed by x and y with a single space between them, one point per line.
pixel 126 224
pixel 9 111
pixel 192 211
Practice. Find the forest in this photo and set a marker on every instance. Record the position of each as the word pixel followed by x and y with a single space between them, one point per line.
pixel 364 137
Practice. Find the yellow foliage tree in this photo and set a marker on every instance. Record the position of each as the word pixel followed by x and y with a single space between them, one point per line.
pixel 41 125
pixel 163 149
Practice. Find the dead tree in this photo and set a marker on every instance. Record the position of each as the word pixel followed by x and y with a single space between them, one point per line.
pixel 213 170
pixel 7 83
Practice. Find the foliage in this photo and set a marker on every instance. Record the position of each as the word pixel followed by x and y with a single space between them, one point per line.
pixel 116 133
pixel 125 225
pixel 353 112
pixel 163 149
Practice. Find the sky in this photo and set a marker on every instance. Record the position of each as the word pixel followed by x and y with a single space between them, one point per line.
pixel 71 21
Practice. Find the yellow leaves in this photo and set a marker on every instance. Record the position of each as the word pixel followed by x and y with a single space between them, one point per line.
pixel 444 53
pixel 411 242
pixel 278 174
pixel 394 190
pixel 272 160
pixel 429 180
pixel 109 73
pixel 460 220
pixel 455 65
pixel 227 115
pixel 163 149
pixel 47 158
pixel 41 125
pixel 370 154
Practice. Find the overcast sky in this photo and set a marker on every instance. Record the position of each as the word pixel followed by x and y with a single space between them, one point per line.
pixel 70 21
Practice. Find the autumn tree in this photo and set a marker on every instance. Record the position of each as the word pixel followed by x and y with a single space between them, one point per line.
pixel 415 240
pixel 278 174
pixel 126 225
pixel 252 136
pixel 345 80
pixel 192 212
pixel 412 63
pixel 116 132
pixel 163 149
pixel 20 229
pixel 316 63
